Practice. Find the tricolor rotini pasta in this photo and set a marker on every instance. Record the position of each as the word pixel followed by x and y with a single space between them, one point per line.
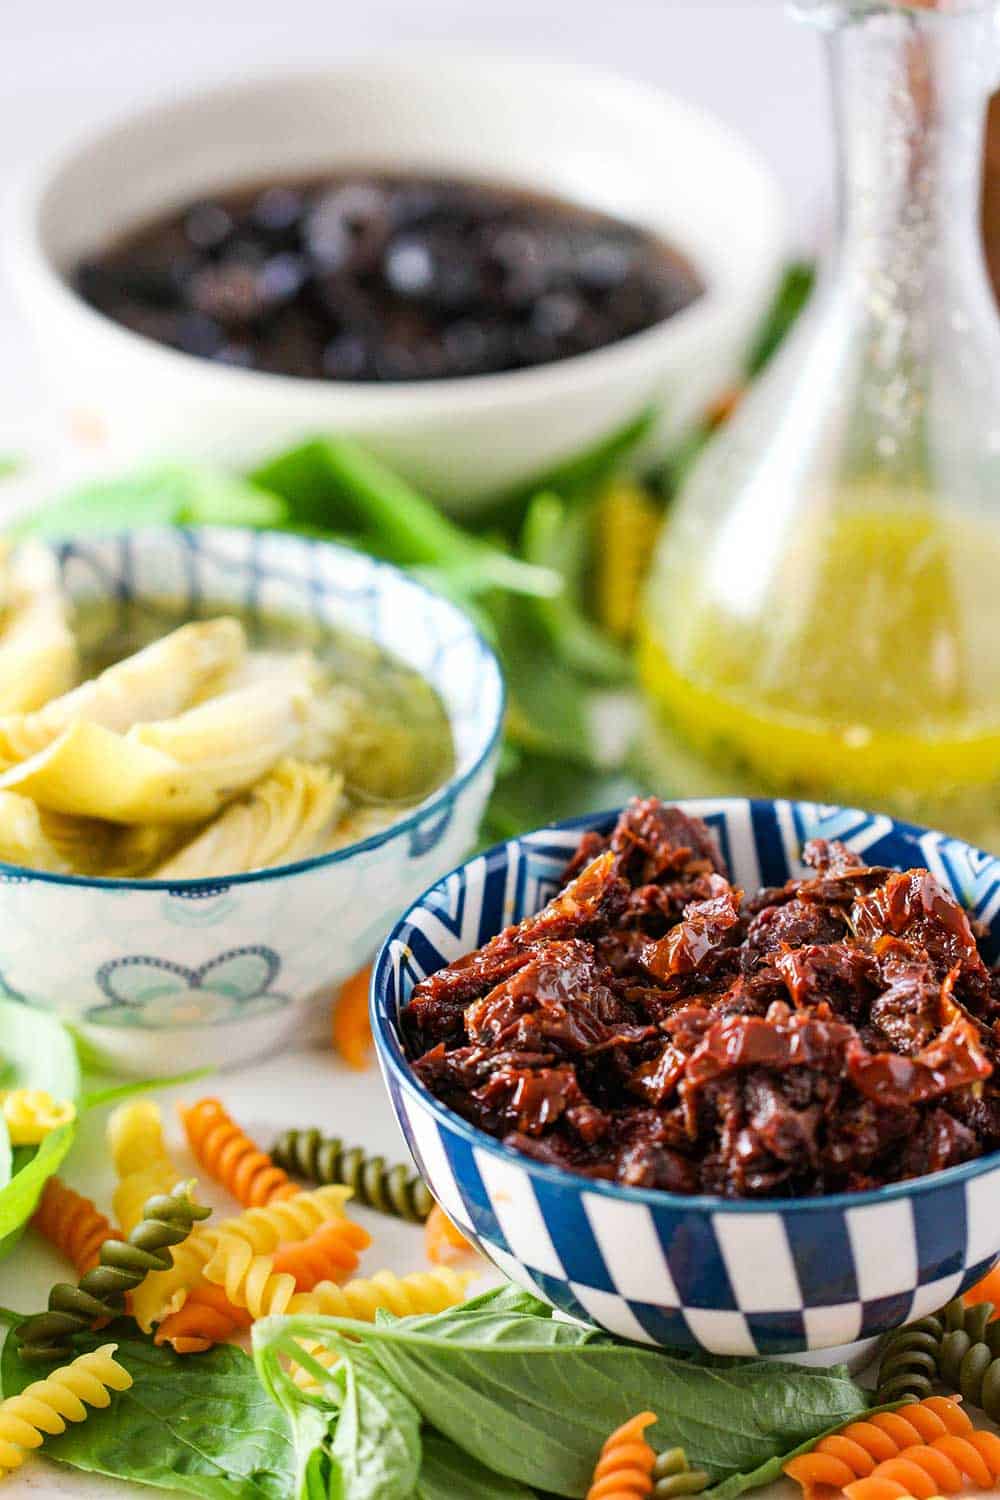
pixel 32 1114
pixel 229 1156
pixel 858 1451
pixel 73 1224
pixel 207 1317
pixel 329 1254
pixel 624 1469
pixel 122 1266
pixel 44 1408
pixel 262 1229
pixel 140 1157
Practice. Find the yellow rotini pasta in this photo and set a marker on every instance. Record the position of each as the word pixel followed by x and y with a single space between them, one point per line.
pixel 421 1292
pixel 32 1114
pixel 140 1157
pixel 44 1408
pixel 249 1280
pixel 404 1296
pixel 260 1229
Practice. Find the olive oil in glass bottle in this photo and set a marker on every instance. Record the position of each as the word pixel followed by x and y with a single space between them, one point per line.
pixel 823 615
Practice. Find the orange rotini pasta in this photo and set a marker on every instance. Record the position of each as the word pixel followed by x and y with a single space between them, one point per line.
pixel 207 1317
pixel 229 1155
pixel 858 1450
pixel 329 1254
pixel 444 1243
pixel 73 1224
pixel 352 1032
pixel 624 1470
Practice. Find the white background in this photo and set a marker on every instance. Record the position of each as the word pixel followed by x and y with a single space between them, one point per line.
pixel 66 65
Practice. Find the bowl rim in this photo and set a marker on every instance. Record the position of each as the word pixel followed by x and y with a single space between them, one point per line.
pixel 30 257
pixel 393 1060
pixel 443 795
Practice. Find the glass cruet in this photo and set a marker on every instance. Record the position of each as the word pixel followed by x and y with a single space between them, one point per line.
pixel 823 614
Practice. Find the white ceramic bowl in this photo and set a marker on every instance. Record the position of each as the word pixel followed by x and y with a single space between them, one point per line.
pixel 617 145
pixel 159 976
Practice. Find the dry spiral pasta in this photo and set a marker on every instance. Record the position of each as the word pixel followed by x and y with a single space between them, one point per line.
pixel 404 1296
pixel 857 1450
pixel 207 1317
pixel 319 1158
pixel 32 1114
pixel 329 1254
pixel 73 1224
pixel 420 1292
pixel 673 1475
pixel 909 1363
pixel 624 1469
pixel 969 1358
pixel 263 1229
pixel 45 1407
pixel 249 1280
pixel 229 1155
pixel 123 1265
pixel 140 1158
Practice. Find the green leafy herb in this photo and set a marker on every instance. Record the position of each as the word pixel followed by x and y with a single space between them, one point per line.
pixel 335 484
pixel 533 1398
pixel 792 294
pixel 35 1052
pixel 556 537
pixel 203 1424
pixel 447 1473
pixel 170 495
pixel 575 478
pixel 534 789
pixel 10 464
pixel 374 1452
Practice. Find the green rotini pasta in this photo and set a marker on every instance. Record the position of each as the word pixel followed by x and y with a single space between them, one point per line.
pixel 325 1159
pixel 673 1475
pixel 909 1364
pixel 969 1359
pixel 167 1220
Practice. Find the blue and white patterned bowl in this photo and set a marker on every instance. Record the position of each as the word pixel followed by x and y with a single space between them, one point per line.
pixel 770 1277
pixel 160 976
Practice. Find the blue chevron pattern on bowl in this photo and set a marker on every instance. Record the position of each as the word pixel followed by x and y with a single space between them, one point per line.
pixel 779 1276
pixel 165 976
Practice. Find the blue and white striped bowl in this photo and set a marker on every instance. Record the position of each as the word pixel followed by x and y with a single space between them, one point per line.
pixel 768 1277
pixel 160 976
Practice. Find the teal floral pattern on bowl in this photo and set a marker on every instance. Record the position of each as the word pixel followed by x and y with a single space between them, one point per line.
pixel 152 992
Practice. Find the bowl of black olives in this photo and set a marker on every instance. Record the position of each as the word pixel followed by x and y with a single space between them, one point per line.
pixel 477 263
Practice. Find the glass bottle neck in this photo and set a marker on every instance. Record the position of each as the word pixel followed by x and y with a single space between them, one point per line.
pixel 910 90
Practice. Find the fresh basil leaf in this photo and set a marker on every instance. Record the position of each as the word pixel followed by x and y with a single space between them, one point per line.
pixel 375 1453
pixel 118 1092
pixel 374 1450
pixel 559 538
pixel 31 1169
pixel 171 494
pixel 200 1423
pixel 554 1390
pixel 37 1051
pixel 6 1154
pixel 447 1473
pixel 337 485
pixel 541 789
pixel 771 1471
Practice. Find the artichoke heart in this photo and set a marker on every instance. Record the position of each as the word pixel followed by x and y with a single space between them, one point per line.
pixel 38 653
pixel 41 840
pixel 156 683
pixel 283 819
